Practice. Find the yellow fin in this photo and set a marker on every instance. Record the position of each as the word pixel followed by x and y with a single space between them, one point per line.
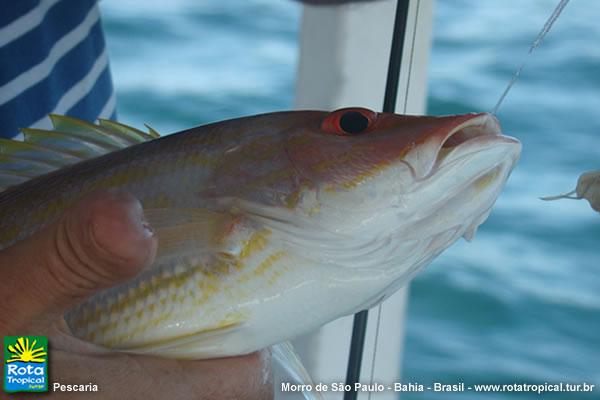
pixel 184 230
pixel 72 140
pixel 70 143
pixel 132 133
pixel 31 151
pixel 292 369
pixel 10 179
pixel 23 167
pixel 84 129
pixel 152 132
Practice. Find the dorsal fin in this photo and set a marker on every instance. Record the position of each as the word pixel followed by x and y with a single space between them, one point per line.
pixel 11 179
pixel 32 151
pixel 70 141
pixel 134 134
pixel 152 132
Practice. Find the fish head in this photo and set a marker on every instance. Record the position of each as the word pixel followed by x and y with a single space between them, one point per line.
pixel 364 163
pixel 355 182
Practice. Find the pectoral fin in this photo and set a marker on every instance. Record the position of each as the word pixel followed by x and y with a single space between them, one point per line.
pixel 188 230
pixel 292 369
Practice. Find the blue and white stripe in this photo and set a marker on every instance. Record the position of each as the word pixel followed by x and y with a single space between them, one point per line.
pixel 53 59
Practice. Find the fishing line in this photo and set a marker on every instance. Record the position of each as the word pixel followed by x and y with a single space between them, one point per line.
pixel 538 40
pixel 375 347
pixel 410 64
pixel 359 326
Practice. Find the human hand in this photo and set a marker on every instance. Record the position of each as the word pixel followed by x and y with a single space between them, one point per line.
pixel 100 242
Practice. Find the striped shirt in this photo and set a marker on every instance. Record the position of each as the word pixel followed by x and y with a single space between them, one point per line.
pixel 52 60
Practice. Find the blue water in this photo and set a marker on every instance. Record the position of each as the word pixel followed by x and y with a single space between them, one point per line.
pixel 519 304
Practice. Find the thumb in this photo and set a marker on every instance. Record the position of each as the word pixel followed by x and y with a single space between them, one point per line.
pixel 102 241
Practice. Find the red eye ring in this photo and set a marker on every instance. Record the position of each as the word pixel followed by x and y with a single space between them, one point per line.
pixel 349 121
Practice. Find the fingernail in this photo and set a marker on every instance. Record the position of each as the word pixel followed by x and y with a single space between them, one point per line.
pixel 148 230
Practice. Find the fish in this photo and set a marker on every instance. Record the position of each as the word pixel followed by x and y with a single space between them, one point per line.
pixel 588 187
pixel 268 226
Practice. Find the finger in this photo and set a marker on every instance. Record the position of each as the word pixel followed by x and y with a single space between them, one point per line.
pixel 102 241
pixel 121 375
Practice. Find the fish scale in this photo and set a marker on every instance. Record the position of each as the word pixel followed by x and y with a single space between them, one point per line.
pixel 197 289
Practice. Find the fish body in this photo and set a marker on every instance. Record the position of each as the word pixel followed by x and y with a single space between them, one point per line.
pixel 268 226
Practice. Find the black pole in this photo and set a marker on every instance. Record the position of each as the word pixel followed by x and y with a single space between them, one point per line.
pixel 393 76
pixel 359 327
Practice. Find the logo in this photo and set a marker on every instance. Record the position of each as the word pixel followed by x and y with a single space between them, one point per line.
pixel 25 364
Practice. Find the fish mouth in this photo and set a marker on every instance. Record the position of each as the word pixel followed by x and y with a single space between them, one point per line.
pixel 467 169
pixel 480 133
pixel 479 126
pixel 477 155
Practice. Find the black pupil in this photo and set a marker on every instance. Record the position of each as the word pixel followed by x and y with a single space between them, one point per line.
pixel 353 122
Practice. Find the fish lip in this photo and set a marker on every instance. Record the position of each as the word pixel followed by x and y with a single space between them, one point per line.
pixel 426 155
pixel 484 124
pixel 481 133
pixel 479 157
pixel 478 144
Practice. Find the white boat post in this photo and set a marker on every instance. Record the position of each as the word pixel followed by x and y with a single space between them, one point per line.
pixel 344 56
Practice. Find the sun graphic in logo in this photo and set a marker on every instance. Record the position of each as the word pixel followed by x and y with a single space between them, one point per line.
pixel 25 351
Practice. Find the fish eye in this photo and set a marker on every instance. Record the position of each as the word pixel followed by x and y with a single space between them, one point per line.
pixel 349 121
pixel 353 122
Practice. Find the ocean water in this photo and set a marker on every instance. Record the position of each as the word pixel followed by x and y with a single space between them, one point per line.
pixel 521 304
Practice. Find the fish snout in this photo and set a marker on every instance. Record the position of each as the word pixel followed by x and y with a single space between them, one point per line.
pixel 464 135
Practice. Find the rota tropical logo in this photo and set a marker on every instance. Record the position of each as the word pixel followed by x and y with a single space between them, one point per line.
pixel 25 364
